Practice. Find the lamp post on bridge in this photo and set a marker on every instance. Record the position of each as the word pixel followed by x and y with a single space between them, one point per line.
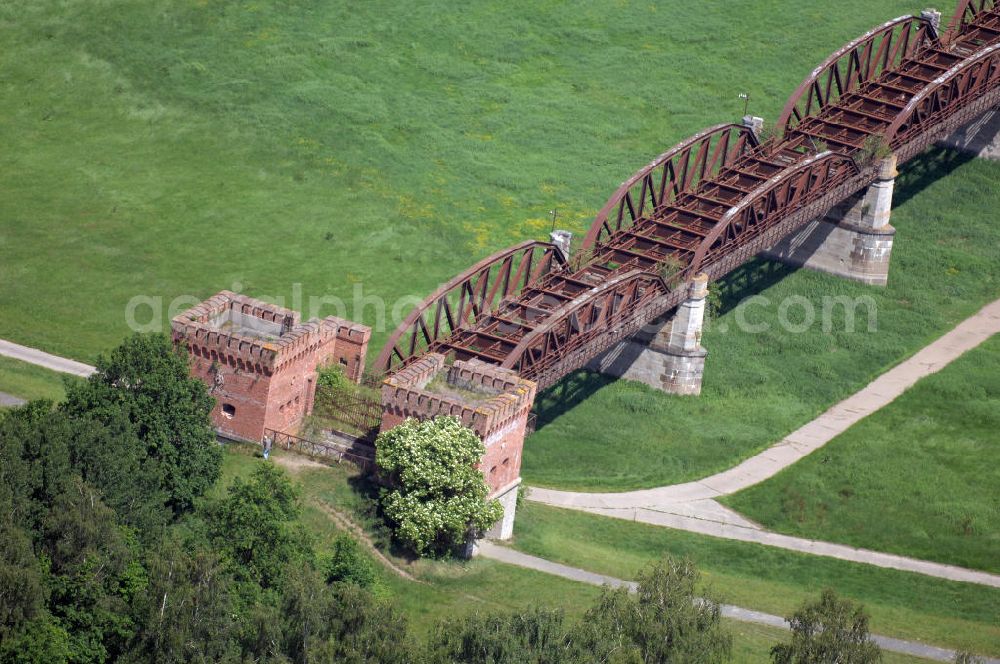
pixel 745 96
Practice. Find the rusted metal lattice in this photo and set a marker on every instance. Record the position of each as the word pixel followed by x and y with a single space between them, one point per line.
pixel 715 200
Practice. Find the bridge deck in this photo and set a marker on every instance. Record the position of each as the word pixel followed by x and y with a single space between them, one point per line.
pixel 672 233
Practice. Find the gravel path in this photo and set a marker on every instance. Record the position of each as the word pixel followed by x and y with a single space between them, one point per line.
pixel 9 400
pixel 43 359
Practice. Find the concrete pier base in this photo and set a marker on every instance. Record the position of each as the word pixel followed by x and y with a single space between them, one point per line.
pixel 854 240
pixel 667 356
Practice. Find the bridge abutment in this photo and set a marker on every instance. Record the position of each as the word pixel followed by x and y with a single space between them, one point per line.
pixel 854 240
pixel 669 357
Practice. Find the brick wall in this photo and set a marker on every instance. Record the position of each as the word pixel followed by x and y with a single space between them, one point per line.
pixel 498 415
pixel 263 383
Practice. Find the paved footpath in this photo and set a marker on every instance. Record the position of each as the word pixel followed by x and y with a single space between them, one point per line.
pixel 513 557
pixel 43 359
pixel 692 506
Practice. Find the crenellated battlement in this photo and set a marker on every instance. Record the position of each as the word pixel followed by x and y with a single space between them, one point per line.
pixel 260 361
pixel 483 397
pixel 257 336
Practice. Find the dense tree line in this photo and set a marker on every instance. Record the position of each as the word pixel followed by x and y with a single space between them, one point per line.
pixel 110 550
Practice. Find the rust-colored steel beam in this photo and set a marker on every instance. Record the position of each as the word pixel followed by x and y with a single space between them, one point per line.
pixel 972 78
pixel 858 62
pixel 678 170
pixel 966 13
pixel 771 202
pixel 467 298
pixel 604 315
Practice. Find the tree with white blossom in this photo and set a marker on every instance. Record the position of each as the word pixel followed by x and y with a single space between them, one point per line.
pixel 435 500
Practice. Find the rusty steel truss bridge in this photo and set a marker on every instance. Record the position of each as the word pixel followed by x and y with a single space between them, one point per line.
pixel 713 202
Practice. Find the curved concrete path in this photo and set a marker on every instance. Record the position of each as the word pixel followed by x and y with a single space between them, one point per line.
pixel 513 557
pixel 692 505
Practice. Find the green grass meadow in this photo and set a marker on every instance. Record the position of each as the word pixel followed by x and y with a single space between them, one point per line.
pixel 901 604
pixel 172 148
pixel 921 477
pixel 604 435
pixel 28 381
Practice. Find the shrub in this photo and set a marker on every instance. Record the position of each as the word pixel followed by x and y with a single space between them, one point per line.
pixel 669 269
pixel 436 498
pixel 349 564
pixel 332 378
pixel 829 630
pixel 875 148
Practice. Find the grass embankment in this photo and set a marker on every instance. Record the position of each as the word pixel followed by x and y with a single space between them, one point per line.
pixel 453 588
pixel 442 588
pixel 176 148
pixel 905 605
pixel 921 477
pixel 28 381
pixel 597 434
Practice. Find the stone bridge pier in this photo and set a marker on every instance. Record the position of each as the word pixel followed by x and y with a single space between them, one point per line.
pixel 853 240
pixel 665 355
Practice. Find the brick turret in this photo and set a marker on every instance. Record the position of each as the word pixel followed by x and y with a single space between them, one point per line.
pixel 260 361
pixel 493 402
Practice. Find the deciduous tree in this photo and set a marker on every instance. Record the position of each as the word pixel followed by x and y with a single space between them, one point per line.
pixel 256 526
pixel 828 630
pixel 146 381
pixel 436 498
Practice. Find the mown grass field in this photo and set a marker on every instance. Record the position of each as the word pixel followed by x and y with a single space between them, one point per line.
pixel 170 149
pixel 607 435
pixel 920 477
pixel 30 382
pixel 454 588
pixel 901 604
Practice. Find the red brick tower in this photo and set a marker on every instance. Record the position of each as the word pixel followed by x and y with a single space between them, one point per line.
pixel 260 362
pixel 493 402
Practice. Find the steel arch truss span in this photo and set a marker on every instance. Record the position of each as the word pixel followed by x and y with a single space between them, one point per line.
pixel 714 201
pixel 967 14
pixel 862 60
pixel 468 298
pixel 673 173
pixel 975 80
pixel 588 324
pixel 768 205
